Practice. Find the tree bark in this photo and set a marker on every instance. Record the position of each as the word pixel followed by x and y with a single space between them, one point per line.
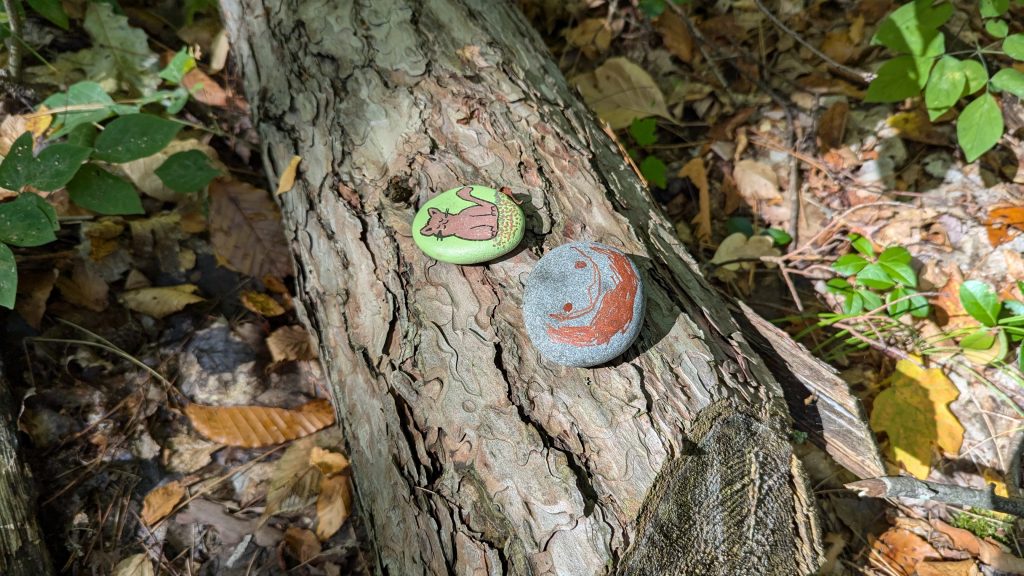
pixel 471 453
pixel 22 549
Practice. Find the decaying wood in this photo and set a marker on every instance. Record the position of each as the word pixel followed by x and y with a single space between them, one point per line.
pixel 472 454
pixel 22 549
pixel 914 489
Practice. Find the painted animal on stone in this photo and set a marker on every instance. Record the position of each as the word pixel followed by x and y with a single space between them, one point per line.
pixel 477 222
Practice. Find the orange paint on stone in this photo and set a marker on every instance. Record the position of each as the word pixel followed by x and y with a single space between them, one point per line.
pixel 614 308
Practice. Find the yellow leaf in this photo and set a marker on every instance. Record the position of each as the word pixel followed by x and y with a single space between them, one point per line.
pixel 329 463
pixel 619 92
pixel 262 304
pixel 255 426
pixel 39 121
pixel 161 301
pixel 333 506
pixel 160 501
pixel 288 176
pixel 914 412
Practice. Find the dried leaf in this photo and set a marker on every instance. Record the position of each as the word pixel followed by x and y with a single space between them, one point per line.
pixel 329 463
pixel 952 568
pixel 757 182
pixel 288 176
pixel 85 287
pixel 301 543
pixel 186 453
pixel 904 549
pixel 676 35
pixel 619 92
pixel 333 506
pixel 737 252
pixel 988 552
pixel 950 312
pixel 160 501
pixel 137 565
pixel 295 482
pixel 832 126
pixel 915 125
pixel 262 304
pixel 161 301
pixel 914 412
pixel 256 426
pixel 1004 223
pixel 34 288
pixel 246 231
pixel 593 36
pixel 291 343
pixel 209 93
pixel 837 45
pixel 698 174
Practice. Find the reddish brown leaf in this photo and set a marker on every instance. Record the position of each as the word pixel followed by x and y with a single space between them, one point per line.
pixel 301 543
pixel 256 426
pixel 160 501
pixel 903 550
pixel 676 35
pixel 1004 222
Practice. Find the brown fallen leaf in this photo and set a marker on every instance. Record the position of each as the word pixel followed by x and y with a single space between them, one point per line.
pixel 301 543
pixel 85 287
pixel 903 549
pixel 137 565
pixel 295 483
pixel 160 301
pixel 984 550
pixel 291 343
pixel 288 176
pixel 914 125
pixel 246 231
pixel 34 288
pixel 329 463
pixel 593 36
pixel 262 304
pixel 757 182
pixel 676 35
pixel 837 45
pixel 205 89
pixel 160 501
pixel 333 506
pixel 832 127
pixel 953 568
pixel 698 174
pixel 1004 223
pixel 256 426
pixel 619 92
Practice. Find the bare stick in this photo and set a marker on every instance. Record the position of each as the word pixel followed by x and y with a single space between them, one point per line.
pixel 907 487
pixel 857 74
pixel 13 7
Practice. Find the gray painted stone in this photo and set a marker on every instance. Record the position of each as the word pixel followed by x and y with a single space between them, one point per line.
pixel 584 304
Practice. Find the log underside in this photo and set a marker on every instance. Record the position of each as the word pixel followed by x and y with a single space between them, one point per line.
pixel 472 454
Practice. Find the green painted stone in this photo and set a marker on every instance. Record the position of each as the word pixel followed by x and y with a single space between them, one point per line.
pixel 468 225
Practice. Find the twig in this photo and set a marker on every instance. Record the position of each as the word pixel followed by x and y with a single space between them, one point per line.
pixel 857 74
pixel 908 487
pixel 13 8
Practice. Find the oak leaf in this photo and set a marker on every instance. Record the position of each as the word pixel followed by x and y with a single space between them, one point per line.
pixel 256 426
pixel 160 301
pixel 160 501
pixel 333 506
pixel 619 92
pixel 291 343
pixel 246 230
pixel 914 412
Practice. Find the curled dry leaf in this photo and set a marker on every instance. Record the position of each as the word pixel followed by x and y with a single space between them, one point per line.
pixel 288 176
pixel 291 343
pixel 204 88
pixel 137 565
pixel 86 287
pixel 161 301
pixel 329 463
pixel 262 304
pixel 160 501
pixel 334 505
pixel 986 551
pixel 619 92
pixel 246 231
pixel 256 426
pixel 593 36
pixel 756 182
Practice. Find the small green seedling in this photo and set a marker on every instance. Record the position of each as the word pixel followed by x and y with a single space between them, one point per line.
pixel 870 282
pixel 1002 322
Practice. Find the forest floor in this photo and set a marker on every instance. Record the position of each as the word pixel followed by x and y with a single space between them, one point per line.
pixel 142 321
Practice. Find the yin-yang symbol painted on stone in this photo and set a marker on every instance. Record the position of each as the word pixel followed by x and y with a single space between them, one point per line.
pixel 584 304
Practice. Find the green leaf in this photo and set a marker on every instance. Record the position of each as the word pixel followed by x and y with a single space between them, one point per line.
pixel 900 272
pixel 121 51
pixel 870 300
pixel 838 286
pixel 912 28
pixel 655 171
pixel 862 245
pixel 849 264
pixel 51 10
pixel 83 135
pixel 134 136
pixel 895 254
pixel 24 222
pixel 16 169
pixel 739 224
pixel 8 277
pixel 896 80
pixel 181 64
pixel 979 127
pixel 80 95
pixel 918 305
pixel 93 188
pixel 982 339
pixel 896 305
pixel 977 76
pixel 853 303
pixel 980 301
pixel 652 8
pixel 874 276
pixel 1015 308
pixel 187 171
pixel 945 85
pixel 57 164
pixel 44 207
pixel 780 237
pixel 993 8
pixel 1009 80
pixel 997 28
pixel 1013 45
pixel 644 131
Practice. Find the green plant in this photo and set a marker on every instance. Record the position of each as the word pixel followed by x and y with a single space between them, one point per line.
pixel 645 133
pixel 1002 323
pixel 654 8
pixel 80 164
pixel 913 33
pixel 871 282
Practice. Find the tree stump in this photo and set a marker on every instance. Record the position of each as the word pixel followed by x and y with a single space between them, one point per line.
pixel 472 454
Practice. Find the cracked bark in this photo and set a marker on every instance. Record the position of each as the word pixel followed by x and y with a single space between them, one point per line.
pixel 471 454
